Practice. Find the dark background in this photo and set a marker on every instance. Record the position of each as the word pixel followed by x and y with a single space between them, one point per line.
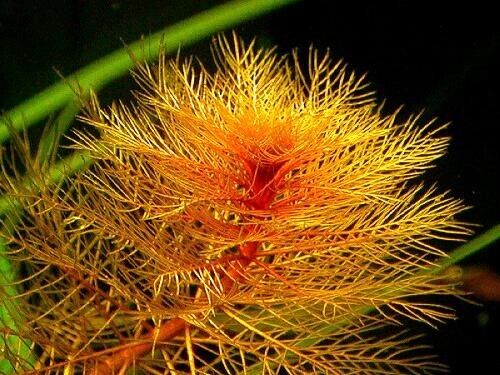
pixel 440 57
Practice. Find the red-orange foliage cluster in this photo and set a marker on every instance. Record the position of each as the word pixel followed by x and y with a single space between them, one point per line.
pixel 260 219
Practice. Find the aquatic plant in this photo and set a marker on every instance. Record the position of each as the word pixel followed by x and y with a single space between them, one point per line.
pixel 264 217
pixel 229 217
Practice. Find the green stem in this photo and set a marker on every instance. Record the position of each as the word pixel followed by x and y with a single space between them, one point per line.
pixel 118 63
pixel 10 208
pixel 460 253
pixel 9 317
pixel 473 246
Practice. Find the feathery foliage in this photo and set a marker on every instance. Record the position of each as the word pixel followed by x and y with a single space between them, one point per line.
pixel 230 217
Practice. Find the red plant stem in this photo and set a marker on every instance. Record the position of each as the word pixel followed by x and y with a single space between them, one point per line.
pixel 122 358
pixel 483 282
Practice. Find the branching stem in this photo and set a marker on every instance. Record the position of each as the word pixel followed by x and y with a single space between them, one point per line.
pixel 263 194
pixel 124 357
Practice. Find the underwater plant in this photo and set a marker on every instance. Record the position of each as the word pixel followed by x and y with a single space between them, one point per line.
pixel 261 218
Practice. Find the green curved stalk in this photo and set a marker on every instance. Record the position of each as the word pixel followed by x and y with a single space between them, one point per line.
pixel 473 246
pixel 12 211
pixel 117 64
pixel 8 310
